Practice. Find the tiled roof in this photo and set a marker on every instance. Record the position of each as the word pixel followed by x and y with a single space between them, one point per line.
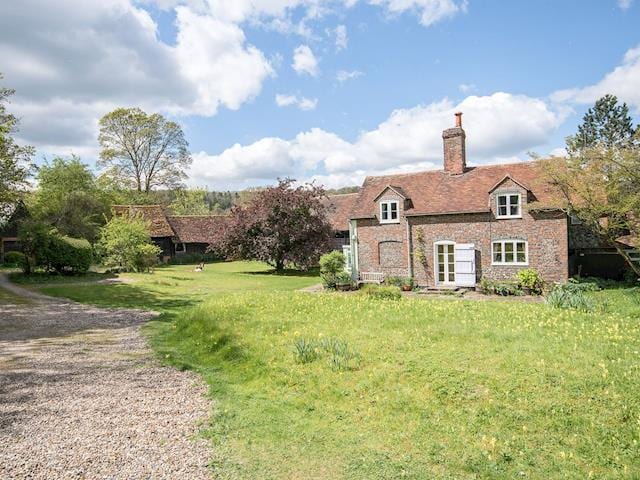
pixel 197 228
pixel 339 208
pixel 154 215
pixel 437 192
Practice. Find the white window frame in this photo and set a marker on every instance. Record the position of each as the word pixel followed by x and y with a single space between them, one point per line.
pixel 515 252
pixel 388 203
pixel 508 196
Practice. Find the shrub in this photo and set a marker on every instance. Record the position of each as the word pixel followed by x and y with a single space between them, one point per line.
pixel 504 288
pixel 343 278
pixel 331 264
pixel 14 259
pixel 69 255
pixel 531 279
pixel 381 292
pixel 407 282
pixel 125 243
pixel 570 296
pixel 393 281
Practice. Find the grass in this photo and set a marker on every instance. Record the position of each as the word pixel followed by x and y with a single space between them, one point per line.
pixel 344 386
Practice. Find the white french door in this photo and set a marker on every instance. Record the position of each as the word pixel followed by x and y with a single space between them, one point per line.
pixel 445 263
pixel 454 264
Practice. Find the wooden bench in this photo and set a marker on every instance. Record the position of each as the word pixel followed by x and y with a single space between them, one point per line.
pixel 371 277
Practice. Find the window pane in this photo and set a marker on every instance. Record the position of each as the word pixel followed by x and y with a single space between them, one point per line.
pixel 514 199
pixel 508 252
pixel 441 277
pixel 520 251
pixel 497 252
pixel 502 211
pixel 450 248
pixel 452 277
pixel 440 249
pixel 394 210
pixel 502 200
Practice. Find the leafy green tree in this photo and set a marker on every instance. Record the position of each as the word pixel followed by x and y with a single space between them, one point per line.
pixel 125 243
pixel 15 160
pixel 601 186
pixel 606 124
pixel 190 202
pixel 143 151
pixel 69 198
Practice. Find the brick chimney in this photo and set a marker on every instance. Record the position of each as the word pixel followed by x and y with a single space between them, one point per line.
pixel 455 159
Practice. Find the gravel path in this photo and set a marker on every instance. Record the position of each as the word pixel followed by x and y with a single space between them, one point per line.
pixel 81 396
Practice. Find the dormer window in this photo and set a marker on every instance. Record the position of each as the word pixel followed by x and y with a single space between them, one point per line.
pixel 389 211
pixel 508 205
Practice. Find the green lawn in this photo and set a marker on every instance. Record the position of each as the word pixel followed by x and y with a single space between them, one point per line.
pixel 424 389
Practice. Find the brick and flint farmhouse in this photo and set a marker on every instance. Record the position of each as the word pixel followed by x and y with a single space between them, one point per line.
pixel 453 226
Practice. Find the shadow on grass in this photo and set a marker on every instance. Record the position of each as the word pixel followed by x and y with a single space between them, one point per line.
pixel 121 295
pixel 39 278
pixel 314 272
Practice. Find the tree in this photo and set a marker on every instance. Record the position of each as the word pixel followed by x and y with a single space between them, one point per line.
pixel 125 243
pixel 143 151
pixel 600 185
pixel 69 198
pixel 606 124
pixel 190 202
pixel 281 225
pixel 15 160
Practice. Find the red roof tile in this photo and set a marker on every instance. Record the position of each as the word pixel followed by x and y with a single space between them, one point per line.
pixel 339 209
pixel 197 228
pixel 436 192
pixel 154 215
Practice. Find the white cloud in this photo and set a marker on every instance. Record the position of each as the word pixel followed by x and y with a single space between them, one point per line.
pixel 342 38
pixel 344 75
pixel 304 61
pixel 500 127
pixel 88 57
pixel 303 103
pixel 623 82
pixel 466 87
pixel 625 4
pixel 429 11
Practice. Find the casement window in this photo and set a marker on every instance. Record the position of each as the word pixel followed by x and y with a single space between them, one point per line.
pixel 390 211
pixel 510 252
pixel 508 205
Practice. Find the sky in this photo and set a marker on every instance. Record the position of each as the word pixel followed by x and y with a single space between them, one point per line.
pixel 324 90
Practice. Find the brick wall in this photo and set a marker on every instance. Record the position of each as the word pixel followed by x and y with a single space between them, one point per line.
pixel 546 234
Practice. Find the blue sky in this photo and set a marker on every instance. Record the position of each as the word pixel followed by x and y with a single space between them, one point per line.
pixel 523 73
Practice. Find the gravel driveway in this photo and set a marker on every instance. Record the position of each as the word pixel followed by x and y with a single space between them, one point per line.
pixel 81 396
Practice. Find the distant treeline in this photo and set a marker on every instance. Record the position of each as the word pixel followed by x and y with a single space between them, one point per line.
pixel 215 202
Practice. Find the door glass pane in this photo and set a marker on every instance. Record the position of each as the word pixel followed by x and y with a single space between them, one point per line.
pixel 452 276
pixel 440 249
pixel 508 252
pixel 520 250
pixel 450 249
pixel 497 252
pixel 441 277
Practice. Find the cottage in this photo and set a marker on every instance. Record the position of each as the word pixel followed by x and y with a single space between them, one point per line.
pixel 451 227
pixel 176 235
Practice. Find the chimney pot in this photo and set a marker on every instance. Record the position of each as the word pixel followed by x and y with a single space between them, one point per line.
pixel 455 158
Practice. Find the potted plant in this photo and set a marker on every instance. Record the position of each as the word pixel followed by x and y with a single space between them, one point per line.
pixel 407 284
pixel 343 281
